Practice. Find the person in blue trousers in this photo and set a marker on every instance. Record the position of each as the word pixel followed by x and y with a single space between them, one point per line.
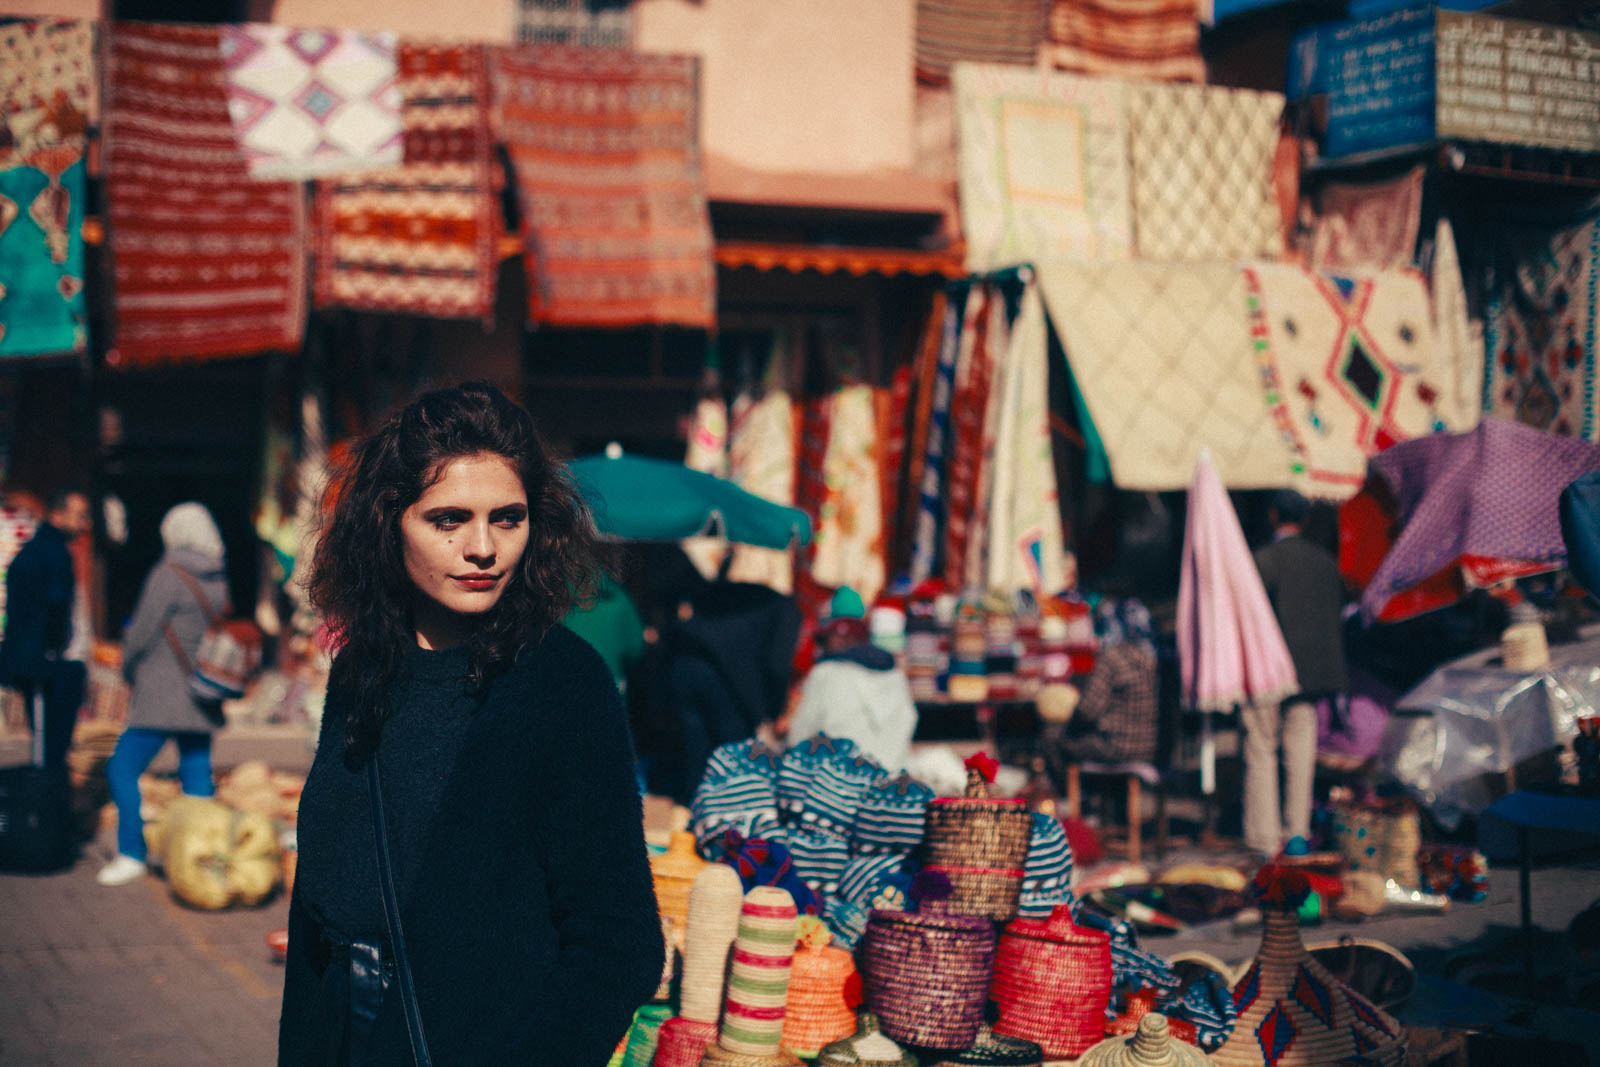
pixel 184 587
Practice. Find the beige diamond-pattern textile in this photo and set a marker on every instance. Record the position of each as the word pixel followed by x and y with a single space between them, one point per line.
pixel 1043 161
pixel 1201 160
pixel 1162 355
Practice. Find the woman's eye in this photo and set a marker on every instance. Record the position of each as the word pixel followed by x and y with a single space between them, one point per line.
pixel 446 522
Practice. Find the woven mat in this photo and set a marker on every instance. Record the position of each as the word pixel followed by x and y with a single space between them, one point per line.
pixel 1367 225
pixel 419 237
pixel 1044 166
pixel 1154 39
pixel 1162 356
pixel 307 102
pixel 1357 367
pixel 208 262
pixel 1201 161
pixel 46 82
pixel 976 31
pixel 1539 330
pixel 607 160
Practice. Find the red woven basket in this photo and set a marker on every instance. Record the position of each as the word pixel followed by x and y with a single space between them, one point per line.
pixel 1052 981
pixel 926 974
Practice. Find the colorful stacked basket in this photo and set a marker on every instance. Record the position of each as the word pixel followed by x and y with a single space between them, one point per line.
pixel 1292 1011
pixel 981 844
pixel 927 974
pixel 820 1009
pixel 1052 981
pixel 758 981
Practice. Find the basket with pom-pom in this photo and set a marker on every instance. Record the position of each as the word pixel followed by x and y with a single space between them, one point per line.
pixel 1052 982
pixel 926 972
pixel 824 991
pixel 1292 1011
pixel 980 843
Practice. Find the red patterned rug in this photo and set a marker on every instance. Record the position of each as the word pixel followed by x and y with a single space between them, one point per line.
pixel 208 263
pixel 606 152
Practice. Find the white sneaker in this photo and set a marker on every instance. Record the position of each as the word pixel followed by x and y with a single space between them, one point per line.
pixel 121 871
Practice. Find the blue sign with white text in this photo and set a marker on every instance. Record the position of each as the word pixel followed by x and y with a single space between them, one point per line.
pixel 1378 76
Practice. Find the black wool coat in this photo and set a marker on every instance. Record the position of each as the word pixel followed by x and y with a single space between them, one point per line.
pixel 531 923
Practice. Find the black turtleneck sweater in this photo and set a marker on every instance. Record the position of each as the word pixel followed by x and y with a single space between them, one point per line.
pixel 524 887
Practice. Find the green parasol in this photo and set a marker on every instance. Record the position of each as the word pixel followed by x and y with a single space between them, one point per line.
pixel 635 498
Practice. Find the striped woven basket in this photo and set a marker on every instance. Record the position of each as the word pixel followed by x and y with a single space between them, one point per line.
pixel 926 974
pixel 981 844
pixel 758 980
pixel 1052 981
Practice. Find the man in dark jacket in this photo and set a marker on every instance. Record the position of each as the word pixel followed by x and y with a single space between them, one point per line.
pixel 40 591
pixel 1307 593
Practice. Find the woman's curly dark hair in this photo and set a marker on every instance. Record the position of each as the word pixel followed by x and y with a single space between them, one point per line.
pixel 358 577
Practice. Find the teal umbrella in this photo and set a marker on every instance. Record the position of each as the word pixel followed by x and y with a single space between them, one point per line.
pixel 635 498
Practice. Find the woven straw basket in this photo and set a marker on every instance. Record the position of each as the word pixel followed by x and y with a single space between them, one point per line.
pixel 1052 981
pixel 994 1050
pixel 981 844
pixel 714 904
pixel 1151 1045
pixel 816 1013
pixel 866 1046
pixel 674 872
pixel 682 1042
pixel 927 974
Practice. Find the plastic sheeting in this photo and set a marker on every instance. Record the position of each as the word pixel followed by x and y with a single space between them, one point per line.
pixel 1471 720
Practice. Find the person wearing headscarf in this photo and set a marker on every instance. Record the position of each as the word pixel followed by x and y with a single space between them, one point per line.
pixel 1116 718
pixel 183 591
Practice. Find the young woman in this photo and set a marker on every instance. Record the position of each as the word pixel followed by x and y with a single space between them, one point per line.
pixel 168 621
pixel 454 545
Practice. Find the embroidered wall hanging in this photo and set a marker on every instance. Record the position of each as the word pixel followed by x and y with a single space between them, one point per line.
pixel 45 95
pixel 606 150
pixel 1539 329
pixel 1163 358
pixel 1356 364
pixel 1368 225
pixel 1044 166
pixel 208 263
pixel 1202 162
pixel 577 23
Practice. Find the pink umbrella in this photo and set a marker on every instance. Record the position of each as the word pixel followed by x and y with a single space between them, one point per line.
pixel 1230 649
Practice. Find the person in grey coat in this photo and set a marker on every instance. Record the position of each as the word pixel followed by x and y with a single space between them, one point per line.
pixel 169 613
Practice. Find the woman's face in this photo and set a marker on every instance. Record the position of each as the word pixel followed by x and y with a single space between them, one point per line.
pixel 462 541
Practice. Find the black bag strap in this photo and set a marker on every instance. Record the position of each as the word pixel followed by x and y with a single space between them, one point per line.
pixel 391 914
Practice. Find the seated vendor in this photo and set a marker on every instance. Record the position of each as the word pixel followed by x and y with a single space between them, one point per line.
pixel 855 690
pixel 1115 720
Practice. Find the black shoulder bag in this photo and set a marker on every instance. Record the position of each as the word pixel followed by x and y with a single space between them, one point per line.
pixel 391 914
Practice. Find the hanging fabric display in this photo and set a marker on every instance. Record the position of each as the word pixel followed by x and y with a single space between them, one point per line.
pixel 1367 225
pixel 46 84
pixel 968 410
pixel 1025 539
pixel 307 102
pixel 1153 39
pixel 974 565
pixel 933 421
pixel 606 151
pixel 1201 161
pixel 1357 366
pixel 419 237
pixel 1460 338
pixel 708 452
pixel 1539 329
pixel 849 537
pixel 913 442
pixel 976 31
pixel 579 23
pixel 208 263
pixel 1044 166
pixel 1163 357
pixel 761 459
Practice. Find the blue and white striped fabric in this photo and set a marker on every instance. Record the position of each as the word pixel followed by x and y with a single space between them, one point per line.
pixel 745 802
pixel 1047 872
pixel 1208 1004
pixel 819 857
pixel 833 795
pixel 740 757
pixel 930 497
pixel 892 817
pixel 846 921
pixel 801 763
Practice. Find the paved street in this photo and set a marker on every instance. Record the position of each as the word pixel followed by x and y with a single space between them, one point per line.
pixel 92 976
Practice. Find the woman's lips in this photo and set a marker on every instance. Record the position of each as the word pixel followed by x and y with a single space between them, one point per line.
pixel 477 582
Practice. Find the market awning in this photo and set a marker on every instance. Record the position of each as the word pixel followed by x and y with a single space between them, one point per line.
pixel 832 259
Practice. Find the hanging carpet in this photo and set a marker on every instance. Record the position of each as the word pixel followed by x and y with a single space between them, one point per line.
pixel 1539 329
pixel 761 460
pixel 419 237
pixel 579 23
pixel 960 322
pixel 208 263
pixel 850 533
pixel 1460 337
pixel 1163 358
pixel 1201 160
pixel 46 82
pixel 1367 225
pixel 1356 367
pixel 976 31
pixel 1154 39
pixel 307 102
pixel 607 159
pixel 1044 166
